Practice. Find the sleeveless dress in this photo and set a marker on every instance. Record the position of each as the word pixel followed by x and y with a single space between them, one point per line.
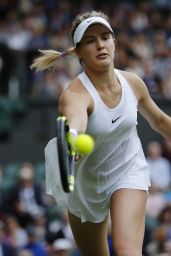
pixel 116 162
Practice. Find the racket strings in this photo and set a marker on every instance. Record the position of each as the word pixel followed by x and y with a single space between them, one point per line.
pixel 66 154
pixel 70 143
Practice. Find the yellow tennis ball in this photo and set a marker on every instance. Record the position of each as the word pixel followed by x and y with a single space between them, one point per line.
pixel 84 144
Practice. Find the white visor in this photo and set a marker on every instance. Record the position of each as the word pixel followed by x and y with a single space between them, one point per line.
pixel 82 27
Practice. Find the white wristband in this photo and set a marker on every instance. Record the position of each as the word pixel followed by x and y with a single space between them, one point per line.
pixel 74 132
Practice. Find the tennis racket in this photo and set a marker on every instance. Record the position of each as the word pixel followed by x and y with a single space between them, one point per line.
pixel 65 154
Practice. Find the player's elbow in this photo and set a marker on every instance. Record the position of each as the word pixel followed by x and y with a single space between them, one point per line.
pixel 163 126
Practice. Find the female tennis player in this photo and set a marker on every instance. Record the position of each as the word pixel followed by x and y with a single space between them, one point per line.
pixel 113 180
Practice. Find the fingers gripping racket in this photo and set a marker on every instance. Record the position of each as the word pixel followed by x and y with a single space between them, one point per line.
pixel 65 154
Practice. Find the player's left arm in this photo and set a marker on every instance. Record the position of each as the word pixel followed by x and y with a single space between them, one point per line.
pixel 157 118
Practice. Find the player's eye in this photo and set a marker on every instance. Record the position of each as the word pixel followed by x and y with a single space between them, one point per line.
pixel 106 36
pixel 89 41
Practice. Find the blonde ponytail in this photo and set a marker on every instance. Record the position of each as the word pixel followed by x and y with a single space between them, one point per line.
pixel 49 58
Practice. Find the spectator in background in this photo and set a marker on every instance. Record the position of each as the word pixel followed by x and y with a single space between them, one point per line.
pixel 59 228
pixel 15 235
pixel 151 78
pixel 65 229
pixel 61 247
pixel 34 245
pixel 142 47
pixel 39 223
pixel 5 248
pixel 161 243
pixel 155 203
pixel 26 197
pixel 134 65
pixel 24 252
pixel 160 171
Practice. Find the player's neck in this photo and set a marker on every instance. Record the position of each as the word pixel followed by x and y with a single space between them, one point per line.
pixel 102 79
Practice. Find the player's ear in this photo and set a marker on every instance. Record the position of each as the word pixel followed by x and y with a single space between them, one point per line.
pixel 114 43
pixel 77 52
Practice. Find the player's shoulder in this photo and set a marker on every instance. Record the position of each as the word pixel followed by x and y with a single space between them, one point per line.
pixel 75 90
pixel 136 83
pixel 75 86
pixel 131 77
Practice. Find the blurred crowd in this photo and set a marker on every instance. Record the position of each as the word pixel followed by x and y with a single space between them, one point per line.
pixel 31 224
pixel 142 32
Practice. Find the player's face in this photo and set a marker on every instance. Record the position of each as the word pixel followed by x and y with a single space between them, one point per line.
pixel 97 47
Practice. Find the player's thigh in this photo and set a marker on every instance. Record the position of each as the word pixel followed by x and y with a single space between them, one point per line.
pixel 91 238
pixel 127 208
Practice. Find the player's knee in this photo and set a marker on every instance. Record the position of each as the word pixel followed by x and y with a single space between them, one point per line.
pixel 125 252
pixel 123 248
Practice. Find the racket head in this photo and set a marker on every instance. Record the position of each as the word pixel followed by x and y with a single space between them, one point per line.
pixel 65 154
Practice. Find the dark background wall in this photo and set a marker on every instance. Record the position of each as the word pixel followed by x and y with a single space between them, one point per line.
pixel 29 135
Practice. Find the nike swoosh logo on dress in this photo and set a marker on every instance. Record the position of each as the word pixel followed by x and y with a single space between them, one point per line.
pixel 114 120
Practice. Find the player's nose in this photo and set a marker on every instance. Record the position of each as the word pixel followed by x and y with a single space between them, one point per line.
pixel 99 44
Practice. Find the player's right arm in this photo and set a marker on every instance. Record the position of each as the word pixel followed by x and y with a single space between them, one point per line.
pixel 74 104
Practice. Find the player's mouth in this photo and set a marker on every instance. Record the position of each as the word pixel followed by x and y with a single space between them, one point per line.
pixel 102 56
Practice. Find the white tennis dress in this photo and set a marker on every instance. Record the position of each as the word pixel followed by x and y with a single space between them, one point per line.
pixel 117 160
